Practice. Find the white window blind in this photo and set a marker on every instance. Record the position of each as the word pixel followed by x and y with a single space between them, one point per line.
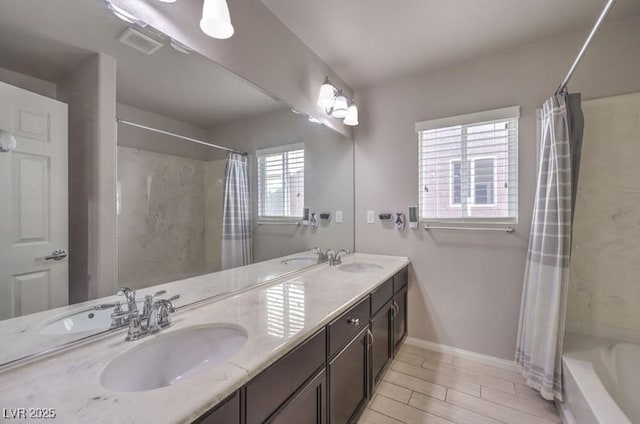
pixel 281 181
pixel 468 167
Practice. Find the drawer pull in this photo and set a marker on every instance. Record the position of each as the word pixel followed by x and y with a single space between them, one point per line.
pixel 354 321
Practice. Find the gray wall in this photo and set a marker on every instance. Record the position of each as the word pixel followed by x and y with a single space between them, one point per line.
pixel 137 138
pixel 328 179
pixel 26 82
pixel 90 92
pixel 465 288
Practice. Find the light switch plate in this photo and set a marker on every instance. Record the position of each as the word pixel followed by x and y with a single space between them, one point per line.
pixel 338 217
pixel 371 217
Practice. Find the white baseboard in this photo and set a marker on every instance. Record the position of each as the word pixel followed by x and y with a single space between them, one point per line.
pixel 565 414
pixel 466 354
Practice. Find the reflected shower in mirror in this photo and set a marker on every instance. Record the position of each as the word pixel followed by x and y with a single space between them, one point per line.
pixel 128 160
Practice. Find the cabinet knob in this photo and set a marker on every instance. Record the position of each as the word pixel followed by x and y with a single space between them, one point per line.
pixel 354 321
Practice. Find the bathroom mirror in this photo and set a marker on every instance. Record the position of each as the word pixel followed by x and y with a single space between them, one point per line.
pixel 109 178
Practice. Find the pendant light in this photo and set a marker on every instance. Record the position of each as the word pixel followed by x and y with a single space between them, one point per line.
pixel 216 20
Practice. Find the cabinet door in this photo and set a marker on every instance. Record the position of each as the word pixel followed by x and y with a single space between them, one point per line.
pixel 274 386
pixel 382 348
pixel 348 381
pixel 307 406
pixel 228 412
pixel 399 319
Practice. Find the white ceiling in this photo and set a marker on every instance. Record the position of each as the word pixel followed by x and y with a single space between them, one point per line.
pixel 46 39
pixel 369 41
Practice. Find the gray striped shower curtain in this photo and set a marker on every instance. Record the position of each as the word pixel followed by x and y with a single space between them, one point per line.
pixel 544 296
pixel 236 215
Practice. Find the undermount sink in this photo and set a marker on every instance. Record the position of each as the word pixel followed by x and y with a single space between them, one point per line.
pixel 303 261
pixel 360 267
pixel 88 320
pixel 172 358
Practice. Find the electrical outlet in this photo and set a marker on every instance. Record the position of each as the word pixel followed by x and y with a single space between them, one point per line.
pixel 371 217
pixel 338 217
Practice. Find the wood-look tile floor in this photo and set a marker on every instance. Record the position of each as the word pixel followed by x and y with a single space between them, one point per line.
pixel 427 387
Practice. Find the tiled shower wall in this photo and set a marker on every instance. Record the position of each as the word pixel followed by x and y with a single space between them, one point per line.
pixel 604 294
pixel 167 217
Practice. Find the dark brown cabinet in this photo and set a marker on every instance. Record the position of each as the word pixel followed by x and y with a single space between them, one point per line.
pixel 399 319
pixel 227 412
pixel 275 385
pixel 329 377
pixel 307 406
pixel 382 343
pixel 348 380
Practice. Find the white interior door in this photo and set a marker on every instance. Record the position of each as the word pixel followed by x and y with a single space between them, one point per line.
pixel 33 203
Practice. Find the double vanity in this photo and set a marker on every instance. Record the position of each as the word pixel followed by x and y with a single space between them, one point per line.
pixel 308 347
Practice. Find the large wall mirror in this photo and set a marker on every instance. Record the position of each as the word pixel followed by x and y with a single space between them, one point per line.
pixel 129 160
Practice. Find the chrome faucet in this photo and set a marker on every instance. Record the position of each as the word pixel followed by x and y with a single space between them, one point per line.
pixel 130 296
pixel 335 258
pixel 323 255
pixel 155 315
pixel 119 317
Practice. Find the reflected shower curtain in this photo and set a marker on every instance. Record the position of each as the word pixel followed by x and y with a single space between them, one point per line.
pixel 544 296
pixel 236 215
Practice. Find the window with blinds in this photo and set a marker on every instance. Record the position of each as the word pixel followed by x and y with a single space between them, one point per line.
pixel 281 182
pixel 468 167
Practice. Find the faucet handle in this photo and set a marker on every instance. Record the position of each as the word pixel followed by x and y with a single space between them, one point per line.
pixel 161 314
pixel 335 256
pixel 342 252
pixel 103 306
pixel 149 302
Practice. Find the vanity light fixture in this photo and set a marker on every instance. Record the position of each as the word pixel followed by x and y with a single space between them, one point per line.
pixel 336 104
pixel 352 116
pixel 340 106
pixel 216 20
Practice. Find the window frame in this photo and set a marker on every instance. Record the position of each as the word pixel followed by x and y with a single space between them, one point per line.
pixel 512 159
pixel 260 180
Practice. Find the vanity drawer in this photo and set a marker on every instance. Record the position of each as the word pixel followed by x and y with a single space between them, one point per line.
pixel 269 390
pixel 400 279
pixel 381 295
pixel 347 325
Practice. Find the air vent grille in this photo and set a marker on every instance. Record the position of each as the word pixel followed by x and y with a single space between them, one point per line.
pixel 139 41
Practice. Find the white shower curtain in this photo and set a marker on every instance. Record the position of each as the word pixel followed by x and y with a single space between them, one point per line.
pixel 236 216
pixel 544 297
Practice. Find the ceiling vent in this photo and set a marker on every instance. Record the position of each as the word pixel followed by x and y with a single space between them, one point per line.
pixel 139 41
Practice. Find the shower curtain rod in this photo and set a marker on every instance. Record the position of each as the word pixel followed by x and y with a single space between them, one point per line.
pixel 596 27
pixel 182 137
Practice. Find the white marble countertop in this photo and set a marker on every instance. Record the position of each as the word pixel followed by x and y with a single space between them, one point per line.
pixel 22 336
pixel 69 380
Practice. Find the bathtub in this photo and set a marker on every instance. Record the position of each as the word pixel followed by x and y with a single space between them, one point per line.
pixel 602 382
